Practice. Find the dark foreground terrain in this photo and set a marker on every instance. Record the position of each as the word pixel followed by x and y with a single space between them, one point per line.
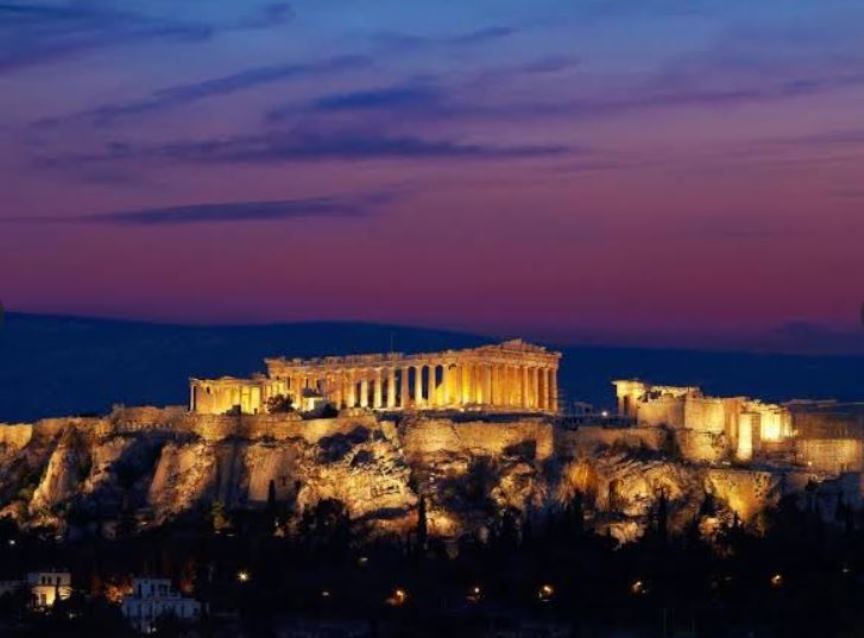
pixel 549 577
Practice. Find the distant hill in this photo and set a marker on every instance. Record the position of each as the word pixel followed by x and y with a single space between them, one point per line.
pixel 53 366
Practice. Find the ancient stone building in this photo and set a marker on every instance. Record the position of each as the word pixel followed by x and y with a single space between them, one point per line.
pixel 746 425
pixel 513 376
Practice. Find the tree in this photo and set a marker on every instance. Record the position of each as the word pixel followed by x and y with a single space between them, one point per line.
pixel 327 526
pixel 280 404
pixel 219 517
pixel 422 525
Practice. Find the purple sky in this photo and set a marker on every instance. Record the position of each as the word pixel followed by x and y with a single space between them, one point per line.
pixel 645 171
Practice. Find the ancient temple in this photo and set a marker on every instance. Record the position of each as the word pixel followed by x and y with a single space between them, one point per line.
pixel 513 376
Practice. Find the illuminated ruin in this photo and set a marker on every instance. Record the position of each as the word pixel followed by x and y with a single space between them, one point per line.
pixel 511 376
pixel 356 429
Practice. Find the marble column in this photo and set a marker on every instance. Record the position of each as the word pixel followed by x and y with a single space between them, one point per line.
pixel 544 389
pixel 535 389
pixel 403 388
pixel 496 384
pixel 391 387
pixel 351 396
pixel 335 392
pixel 456 384
pixel 526 388
pixel 517 386
pixel 418 385
pixel 377 402
pixel 553 389
pixel 364 389
pixel 466 383
pixel 430 385
pixel 446 380
pixel 487 384
pixel 476 385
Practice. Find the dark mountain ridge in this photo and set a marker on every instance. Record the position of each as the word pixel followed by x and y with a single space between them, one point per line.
pixel 52 366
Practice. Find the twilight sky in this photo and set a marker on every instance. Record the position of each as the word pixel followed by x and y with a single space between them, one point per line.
pixel 667 172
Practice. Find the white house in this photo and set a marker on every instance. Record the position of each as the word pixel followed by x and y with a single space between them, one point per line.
pixel 48 587
pixel 152 598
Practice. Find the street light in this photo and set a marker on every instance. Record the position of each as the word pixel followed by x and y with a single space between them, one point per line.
pixel 397 598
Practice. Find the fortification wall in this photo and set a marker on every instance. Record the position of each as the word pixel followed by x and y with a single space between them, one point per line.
pixel 49 428
pixel 831 455
pixel 697 446
pixel 278 427
pixel 664 410
pixel 428 436
pixel 707 414
pixel 147 417
pixel 215 427
pixel 828 425
pixel 586 440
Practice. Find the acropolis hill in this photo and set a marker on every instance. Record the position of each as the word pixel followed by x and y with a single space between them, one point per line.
pixel 475 431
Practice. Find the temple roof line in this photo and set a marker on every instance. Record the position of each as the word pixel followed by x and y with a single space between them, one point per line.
pixel 511 348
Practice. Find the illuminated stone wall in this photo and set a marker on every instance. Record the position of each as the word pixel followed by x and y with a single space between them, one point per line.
pixel 587 440
pixel 728 425
pixel 697 446
pixel 831 455
pixel 429 436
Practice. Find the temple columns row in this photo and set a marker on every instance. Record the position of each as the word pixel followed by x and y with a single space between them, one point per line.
pixel 444 384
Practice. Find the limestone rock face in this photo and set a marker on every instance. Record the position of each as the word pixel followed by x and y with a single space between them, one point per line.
pixel 623 490
pixel 468 471
pixel 67 468
pixel 163 463
pixel 185 475
pixel 363 469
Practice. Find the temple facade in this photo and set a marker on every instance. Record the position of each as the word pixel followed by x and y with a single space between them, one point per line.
pixel 513 376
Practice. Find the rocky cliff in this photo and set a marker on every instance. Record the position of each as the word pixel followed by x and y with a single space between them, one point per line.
pixel 150 466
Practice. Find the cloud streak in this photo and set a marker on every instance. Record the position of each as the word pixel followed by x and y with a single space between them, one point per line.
pixel 33 33
pixel 226 212
pixel 184 94
pixel 277 148
pixel 410 42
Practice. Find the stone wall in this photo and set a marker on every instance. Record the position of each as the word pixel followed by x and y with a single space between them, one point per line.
pixel 702 447
pixel 708 414
pixel 831 455
pixel 428 436
pixel 585 440
pixel 216 427
pixel 828 425
pixel 664 410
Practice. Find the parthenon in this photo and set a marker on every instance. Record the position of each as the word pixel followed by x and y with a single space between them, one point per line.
pixel 512 376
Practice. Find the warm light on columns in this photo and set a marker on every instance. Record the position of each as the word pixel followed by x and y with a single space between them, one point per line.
pixel 403 388
pixel 391 387
pixel 418 385
pixel 364 390
pixel 378 400
pixel 487 383
pixel 466 383
pixel 352 389
pixel 430 385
